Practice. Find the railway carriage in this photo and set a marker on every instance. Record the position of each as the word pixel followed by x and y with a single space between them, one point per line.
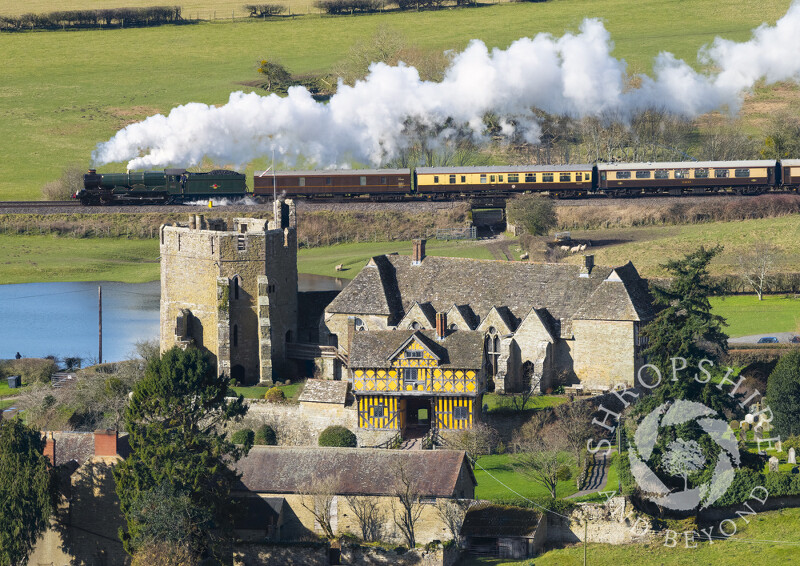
pixel 559 180
pixel 790 174
pixel 677 178
pixel 388 183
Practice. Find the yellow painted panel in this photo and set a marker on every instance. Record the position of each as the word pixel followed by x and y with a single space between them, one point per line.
pixel 471 374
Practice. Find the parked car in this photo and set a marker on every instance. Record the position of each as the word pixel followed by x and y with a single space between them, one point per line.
pixel 767 340
pixel 795 339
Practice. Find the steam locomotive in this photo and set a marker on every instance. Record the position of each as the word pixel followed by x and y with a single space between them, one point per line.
pixel 563 181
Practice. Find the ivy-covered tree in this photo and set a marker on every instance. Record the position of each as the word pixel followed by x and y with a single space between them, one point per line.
pixel 685 327
pixel 176 420
pixel 26 491
pixel 783 394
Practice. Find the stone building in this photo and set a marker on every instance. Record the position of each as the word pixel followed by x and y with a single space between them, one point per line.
pixel 535 325
pixel 295 474
pixel 232 290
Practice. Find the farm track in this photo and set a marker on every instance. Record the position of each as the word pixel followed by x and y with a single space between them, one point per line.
pixel 69 207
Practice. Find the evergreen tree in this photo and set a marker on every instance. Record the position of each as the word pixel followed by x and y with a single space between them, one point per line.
pixel 176 421
pixel 26 491
pixel 783 394
pixel 685 327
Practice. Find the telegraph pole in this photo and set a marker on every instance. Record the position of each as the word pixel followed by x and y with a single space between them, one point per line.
pixel 100 323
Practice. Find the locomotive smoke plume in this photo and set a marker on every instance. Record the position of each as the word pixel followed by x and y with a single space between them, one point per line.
pixel 572 75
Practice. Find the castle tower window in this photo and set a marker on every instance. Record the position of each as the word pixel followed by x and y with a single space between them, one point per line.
pixel 235 335
pixel 235 285
pixel 241 243
pixel 493 350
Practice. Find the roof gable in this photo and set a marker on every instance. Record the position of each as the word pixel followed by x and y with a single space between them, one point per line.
pixel 423 314
pixel 500 319
pixel 416 338
pixel 461 316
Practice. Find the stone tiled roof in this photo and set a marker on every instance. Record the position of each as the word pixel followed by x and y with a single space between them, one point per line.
pixel 78 446
pixel 390 285
pixel 459 349
pixel 324 391
pixel 357 471
pixel 623 296
pixel 487 520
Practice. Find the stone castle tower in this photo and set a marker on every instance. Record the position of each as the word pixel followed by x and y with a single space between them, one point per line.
pixel 232 290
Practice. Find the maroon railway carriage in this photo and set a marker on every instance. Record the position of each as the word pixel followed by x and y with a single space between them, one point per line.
pixel 332 183
pixel 676 178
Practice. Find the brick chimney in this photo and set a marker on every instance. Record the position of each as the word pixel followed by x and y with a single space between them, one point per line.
pixel 105 442
pixel 50 447
pixel 419 252
pixel 441 325
pixel 588 265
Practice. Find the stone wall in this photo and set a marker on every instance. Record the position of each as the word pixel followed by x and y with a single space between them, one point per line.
pixel 318 555
pixel 604 352
pixel 301 424
pixel 612 523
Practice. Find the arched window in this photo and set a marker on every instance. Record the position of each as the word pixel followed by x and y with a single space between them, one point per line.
pixel 493 350
pixel 415 325
pixel 235 335
pixel 235 285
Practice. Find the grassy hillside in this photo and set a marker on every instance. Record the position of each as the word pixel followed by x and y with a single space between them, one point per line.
pixel 61 93
pixel 746 315
pixel 649 247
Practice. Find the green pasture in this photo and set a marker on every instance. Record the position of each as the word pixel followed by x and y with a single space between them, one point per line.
pixel 495 475
pixel 746 315
pixel 649 247
pixel 63 92
pixel 291 392
pixel 500 403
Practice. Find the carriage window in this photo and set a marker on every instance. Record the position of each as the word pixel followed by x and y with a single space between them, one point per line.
pixel 483 178
pixel 741 173
pixel 363 181
pixel 500 178
pixel 578 177
pixel 547 177
pixel 513 178
pixel 681 173
pixel 436 178
pixel 383 180
pixel 661 174
pixel 327 180
pixel 452 179
pixel 623 174
pixel 643 174
pixel 701 173
pixel 463 178
pixel 530 177
pixel 565 177
pixel 460 413
pixel 720 173
pixel 301 181
pixel 491 178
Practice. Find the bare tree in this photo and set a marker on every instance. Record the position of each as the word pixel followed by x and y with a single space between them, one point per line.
pixel 574 424
pixel 756 265
pixel 480 440
pixel 452 513
pixel 541 455
pixel 407 510
pixel 317 497
pixel 368 514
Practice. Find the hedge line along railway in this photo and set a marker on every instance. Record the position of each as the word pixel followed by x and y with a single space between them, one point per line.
pixel 173 186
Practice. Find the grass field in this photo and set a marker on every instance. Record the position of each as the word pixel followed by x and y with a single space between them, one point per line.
pixel 747 315
pixel 61 93
pixel 649 247
pixel 503 402
pixel 291 392
pixel 499 466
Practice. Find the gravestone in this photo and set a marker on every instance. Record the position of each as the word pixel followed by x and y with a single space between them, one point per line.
pixel 792 456
pixel 773 464
pixel 779 446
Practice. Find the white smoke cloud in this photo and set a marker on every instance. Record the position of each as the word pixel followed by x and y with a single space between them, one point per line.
pixel 571 75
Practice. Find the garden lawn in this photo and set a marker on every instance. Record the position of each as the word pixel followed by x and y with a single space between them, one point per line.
pixel 746 315
pixel 291 392
pixel 499 466
pixel 500 403
pixel 63 92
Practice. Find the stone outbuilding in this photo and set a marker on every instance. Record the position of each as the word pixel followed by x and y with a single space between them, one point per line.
pixel 504 531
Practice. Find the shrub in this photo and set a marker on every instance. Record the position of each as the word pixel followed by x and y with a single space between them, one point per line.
pixel 244 436
pixel 340 7
pixel 275 395
pixel 535 213
pixel 338 436
pixel 265 435
pixel 265 10
pixel 30 369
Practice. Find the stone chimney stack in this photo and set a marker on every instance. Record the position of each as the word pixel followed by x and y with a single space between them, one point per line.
pixel 588 265
pixel 50 447
pixel 105 442
pixel 441 325
pixel 419 252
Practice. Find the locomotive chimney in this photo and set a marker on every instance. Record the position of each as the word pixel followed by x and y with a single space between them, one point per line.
pixel 441 325
pixel 419 252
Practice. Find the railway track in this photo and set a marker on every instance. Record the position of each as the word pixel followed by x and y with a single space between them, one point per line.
pixel 38 203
